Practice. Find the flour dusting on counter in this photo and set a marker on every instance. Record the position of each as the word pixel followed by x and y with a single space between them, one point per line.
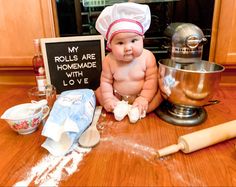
pixel 51 169
pixel 145 152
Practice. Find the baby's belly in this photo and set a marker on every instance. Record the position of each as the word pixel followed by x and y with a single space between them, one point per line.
pixel 126 88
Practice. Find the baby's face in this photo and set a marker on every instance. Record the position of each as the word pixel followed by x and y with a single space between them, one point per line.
pixel 126 46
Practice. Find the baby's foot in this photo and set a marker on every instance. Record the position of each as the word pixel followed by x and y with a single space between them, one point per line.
pixel 121 110
pixel 133 114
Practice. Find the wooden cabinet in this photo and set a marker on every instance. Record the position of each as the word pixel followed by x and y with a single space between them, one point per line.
pixel 21 22
pixel 223 44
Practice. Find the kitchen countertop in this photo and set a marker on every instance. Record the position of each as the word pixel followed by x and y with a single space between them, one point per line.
pixel 125 155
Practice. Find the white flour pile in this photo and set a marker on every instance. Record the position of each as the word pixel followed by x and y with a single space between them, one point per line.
pixel 51 170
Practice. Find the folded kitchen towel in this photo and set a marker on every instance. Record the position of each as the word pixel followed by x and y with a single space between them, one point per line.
pixel 71 114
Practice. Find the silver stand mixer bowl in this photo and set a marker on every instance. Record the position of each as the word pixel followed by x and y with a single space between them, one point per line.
pixel 187 88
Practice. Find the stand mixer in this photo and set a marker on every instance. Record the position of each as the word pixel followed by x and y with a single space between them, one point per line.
pixel 186 81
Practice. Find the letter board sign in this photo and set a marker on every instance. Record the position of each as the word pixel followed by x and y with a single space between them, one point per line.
pixel 73 62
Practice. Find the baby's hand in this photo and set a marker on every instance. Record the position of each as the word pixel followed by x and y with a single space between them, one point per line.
pixel 142 104
pixel 110 104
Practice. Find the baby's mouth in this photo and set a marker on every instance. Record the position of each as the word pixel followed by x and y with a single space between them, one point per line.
pixel 128 54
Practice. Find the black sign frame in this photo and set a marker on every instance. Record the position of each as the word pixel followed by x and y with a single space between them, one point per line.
pixel 73 62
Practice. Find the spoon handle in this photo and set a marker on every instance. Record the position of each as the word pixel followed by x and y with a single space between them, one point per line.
pixel 96 116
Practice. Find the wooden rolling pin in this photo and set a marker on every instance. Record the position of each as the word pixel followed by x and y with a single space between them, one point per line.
pixel 201 139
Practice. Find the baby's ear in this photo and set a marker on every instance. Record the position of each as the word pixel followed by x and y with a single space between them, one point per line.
pixel 143 36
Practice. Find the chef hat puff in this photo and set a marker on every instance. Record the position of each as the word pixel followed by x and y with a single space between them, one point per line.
pixel 123 17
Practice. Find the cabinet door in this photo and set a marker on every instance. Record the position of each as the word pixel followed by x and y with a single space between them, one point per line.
pixel 20 22
pixel 226 38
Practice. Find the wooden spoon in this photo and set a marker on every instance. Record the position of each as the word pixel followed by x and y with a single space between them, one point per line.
pixel 91 136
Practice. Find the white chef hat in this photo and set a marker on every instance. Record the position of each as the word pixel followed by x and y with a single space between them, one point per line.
pixel 123 17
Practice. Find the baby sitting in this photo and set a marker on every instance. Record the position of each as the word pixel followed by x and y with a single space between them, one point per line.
pixel 129 72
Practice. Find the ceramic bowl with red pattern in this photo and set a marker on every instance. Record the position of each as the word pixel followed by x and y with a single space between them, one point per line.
pixel 25 118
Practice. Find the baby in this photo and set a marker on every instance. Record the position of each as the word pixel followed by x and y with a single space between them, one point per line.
pixel 129 78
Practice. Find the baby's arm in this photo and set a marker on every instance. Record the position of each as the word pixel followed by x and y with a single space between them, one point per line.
pixel 150 84
pixel 109 100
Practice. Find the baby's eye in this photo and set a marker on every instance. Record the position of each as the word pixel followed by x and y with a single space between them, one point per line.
pixel 119 43
pixel 134 40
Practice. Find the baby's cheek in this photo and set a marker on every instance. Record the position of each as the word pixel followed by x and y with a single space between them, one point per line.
pixel 117 52
pixel 137 52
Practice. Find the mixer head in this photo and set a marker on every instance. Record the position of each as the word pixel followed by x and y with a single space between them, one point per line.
pixel 186 42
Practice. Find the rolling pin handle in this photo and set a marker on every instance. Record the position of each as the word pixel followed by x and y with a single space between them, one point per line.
pixel 170 149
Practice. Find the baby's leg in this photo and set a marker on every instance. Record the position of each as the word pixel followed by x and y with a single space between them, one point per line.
pixel 155 102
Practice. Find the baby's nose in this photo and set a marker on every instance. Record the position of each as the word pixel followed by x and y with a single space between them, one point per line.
pixel 128 48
